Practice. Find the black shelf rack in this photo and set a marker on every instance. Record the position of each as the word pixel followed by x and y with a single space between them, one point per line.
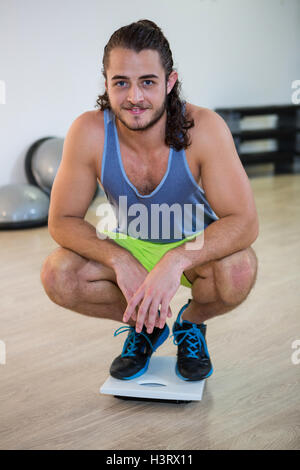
pixel 285 132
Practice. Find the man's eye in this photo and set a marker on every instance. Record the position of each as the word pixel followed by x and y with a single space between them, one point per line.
pixel 121 83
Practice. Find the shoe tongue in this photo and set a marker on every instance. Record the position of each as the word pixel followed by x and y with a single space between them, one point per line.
pixel 188 324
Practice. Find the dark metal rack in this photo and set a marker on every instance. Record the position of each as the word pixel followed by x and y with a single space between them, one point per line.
pixel 286 133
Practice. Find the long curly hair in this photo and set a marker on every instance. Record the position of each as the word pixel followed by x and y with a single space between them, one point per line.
pixel 145 34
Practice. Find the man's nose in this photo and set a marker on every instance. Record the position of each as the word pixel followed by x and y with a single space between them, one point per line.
pixel 135 94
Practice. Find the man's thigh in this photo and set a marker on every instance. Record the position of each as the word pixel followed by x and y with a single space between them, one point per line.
pixel 65 261
pixel 241 257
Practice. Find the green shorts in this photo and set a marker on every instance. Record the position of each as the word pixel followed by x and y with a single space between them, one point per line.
pixel 148 253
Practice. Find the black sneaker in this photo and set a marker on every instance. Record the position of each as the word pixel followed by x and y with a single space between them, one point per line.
pixel 193 361
pixel 137 351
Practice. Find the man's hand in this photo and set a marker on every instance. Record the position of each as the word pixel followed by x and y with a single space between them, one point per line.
pixel 130 274
pixel 158 288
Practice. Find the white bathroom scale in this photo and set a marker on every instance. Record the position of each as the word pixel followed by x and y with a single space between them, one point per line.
pixel 159 383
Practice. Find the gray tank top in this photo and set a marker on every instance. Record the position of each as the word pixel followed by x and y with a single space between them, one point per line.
pixel 176 209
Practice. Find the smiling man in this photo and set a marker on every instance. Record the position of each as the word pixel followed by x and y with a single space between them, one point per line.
pixel 161 154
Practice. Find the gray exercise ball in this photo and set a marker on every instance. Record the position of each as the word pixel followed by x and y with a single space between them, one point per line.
pixel 45 162
pixel 23 205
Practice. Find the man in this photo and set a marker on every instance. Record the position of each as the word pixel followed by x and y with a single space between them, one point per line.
pixel 148 146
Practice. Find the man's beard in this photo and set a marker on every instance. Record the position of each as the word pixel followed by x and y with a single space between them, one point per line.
pixel 143 127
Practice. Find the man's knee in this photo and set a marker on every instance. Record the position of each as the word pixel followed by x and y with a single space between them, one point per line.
pixel 235 276
pixel 59 279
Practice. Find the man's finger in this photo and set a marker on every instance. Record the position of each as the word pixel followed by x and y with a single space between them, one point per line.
pixel 132 304
pixel 164 312
pixel 133 316
pixel 142 314
pixel 152 315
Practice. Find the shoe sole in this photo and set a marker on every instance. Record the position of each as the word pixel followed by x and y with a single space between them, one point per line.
pixel 193 380
pixel 159 342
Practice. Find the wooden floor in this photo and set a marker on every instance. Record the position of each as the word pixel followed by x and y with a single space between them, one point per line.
pixel 56 359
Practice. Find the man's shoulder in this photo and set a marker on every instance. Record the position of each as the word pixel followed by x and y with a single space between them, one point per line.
pixel 89 128
pixel 203 116
pixel 209 127
pixel 90 121
pixel 86 134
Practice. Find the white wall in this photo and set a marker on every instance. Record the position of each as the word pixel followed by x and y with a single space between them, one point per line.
pixel 227 52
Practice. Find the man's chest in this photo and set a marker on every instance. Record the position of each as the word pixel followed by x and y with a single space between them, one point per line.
pixel 146 174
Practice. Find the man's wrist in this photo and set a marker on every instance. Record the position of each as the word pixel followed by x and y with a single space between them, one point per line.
pixel 113 253
pixel 118 257
pixel 176 259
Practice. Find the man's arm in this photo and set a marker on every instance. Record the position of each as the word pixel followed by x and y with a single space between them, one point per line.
pixel 227 190
pixel 72 192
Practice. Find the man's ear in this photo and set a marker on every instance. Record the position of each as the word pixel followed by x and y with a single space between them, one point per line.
pixel 172 80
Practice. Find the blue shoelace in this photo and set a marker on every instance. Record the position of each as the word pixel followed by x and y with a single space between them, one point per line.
pixel 195 340
pixel 133 340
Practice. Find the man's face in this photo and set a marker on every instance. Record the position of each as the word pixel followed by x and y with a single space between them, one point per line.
pixel 136 87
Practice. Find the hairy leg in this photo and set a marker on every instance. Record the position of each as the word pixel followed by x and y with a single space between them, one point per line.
pixel 83 286
pixel 220 286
